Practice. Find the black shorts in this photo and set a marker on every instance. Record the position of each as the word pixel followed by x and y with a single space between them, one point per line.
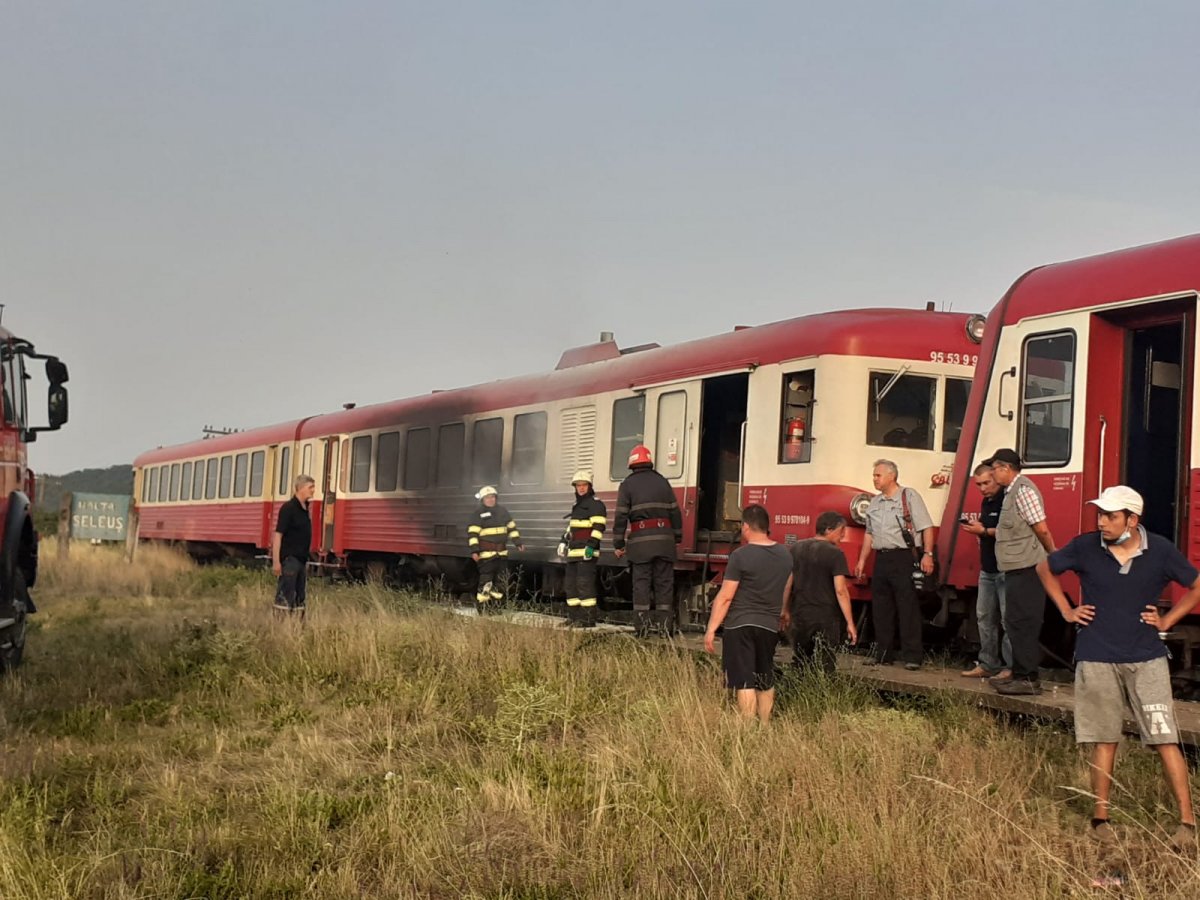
pixel 748 658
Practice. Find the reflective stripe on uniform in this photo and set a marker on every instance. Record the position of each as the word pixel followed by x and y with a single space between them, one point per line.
pixel 587 601
pixel 574 601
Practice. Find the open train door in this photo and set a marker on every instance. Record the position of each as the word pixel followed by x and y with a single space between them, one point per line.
pixel 333 478
pixel 1139 413
pixel 672 433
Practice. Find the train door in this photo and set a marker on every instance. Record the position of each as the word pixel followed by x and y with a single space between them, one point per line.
pixel 722 445
pixel 331 481
pixel 1139 410
pixel 673 411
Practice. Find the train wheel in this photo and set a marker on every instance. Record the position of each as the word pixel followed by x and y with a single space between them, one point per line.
pixel 12 636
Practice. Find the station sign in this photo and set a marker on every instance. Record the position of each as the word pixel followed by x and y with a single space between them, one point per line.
pixel 99 517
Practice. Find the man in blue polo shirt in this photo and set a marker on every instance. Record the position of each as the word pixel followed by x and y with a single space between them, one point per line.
pixel 1120 659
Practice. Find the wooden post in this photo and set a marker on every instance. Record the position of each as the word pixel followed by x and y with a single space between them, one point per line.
pixel 64 526
pixel 131 533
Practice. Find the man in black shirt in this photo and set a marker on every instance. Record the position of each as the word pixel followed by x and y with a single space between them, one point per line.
pixel 995 655
pixel 290 545
pixel 820 598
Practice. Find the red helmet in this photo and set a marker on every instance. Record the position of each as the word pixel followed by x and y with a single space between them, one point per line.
pixel 640 456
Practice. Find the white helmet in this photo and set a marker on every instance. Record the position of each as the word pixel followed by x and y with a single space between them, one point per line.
pixel 582 475
pixel 486 491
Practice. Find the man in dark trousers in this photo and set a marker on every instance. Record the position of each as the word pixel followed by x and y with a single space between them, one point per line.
pixel 488 535
pixel 648 511
pixel 585 529
pixel 995 654
pixel 289 548
pixel 820 600
pixel 1022 541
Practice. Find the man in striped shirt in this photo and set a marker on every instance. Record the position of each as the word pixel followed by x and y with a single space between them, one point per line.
pixel 1023 540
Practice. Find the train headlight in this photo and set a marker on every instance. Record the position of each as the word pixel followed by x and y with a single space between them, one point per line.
pixel 858 508
pixel 975 326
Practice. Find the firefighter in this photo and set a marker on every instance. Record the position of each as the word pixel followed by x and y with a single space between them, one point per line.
pixel 646 508
pixel 488 537
pixel 582 549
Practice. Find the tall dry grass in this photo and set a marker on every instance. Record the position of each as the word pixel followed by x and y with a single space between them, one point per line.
pixel 191 746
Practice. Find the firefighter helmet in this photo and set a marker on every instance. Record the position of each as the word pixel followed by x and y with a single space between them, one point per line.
pixel 486 491
pixel 640 456
pixel 583 475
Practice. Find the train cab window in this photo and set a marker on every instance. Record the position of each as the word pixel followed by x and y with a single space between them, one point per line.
pixel 957 392
pixel 417 447
pixel 198 480
pixel 210 479
pixel 628 430
pixel 487 450
pixel 900 410
pixel 164 477
pixel 451 441
pixel 1046 399
pixel 258 460
pixel 174 492
pixel 185 482
pixel 669 434
pixel 387 461
pixel 795 418
pixel 226 476
pixel 529 448
pixel 285 472
pixel 360 464
pixel 152 494
pixel 240 464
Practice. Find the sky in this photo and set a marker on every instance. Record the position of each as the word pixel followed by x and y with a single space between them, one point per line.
pixel 234 214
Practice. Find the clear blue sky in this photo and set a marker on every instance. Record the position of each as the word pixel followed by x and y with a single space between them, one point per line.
pixel 243 213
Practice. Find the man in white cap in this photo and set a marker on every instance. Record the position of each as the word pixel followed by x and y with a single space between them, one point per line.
pixel 1120 658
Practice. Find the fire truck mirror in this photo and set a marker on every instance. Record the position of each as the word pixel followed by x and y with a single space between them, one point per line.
pixel 58 406
pixel 56 374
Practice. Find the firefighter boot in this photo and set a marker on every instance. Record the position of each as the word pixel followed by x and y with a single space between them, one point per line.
pixel 587 617
pixel 664 621
pixel 574 619
pixel 641 622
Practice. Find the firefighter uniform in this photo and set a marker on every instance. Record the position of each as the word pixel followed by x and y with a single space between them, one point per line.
pixel 647 527
pixel 582 539
pixel 488 535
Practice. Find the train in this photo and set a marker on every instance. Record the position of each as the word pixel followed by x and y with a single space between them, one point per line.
pixel 791 415
pixel 18 484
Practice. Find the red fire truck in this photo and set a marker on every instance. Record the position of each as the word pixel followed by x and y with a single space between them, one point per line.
pixel 18 540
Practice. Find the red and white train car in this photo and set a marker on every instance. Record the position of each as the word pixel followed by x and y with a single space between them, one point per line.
pixel 1087 370
pixel 791 415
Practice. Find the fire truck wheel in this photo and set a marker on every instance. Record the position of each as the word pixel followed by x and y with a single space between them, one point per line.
pixel 12 638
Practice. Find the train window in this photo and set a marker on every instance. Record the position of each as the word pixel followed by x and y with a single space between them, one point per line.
pixel 796 417
pixel 900 410
pixel 240 465
pixel 174 493
pixel 957 392
pixel 451 441
pixel 258 460
pixel 210 479
pixel 185 482
pixel 529 448
pixel 344 481
pixel 360 465
pixel 668 434
pixel 416 459
pixel 487 449
pixel 577 441
pixel 285 471
pixel 164 477
pixel 152 479
pixel 387 461
pixel 628 430
pixel 145 483
pixel 226 476
pixel 198 480
pixel 1046 399
pixel 306 466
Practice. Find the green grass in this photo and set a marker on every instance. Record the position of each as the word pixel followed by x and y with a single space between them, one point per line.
pixel 175 741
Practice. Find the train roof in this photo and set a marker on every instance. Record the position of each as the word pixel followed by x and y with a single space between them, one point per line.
pixel 593 368
pixel 1151 270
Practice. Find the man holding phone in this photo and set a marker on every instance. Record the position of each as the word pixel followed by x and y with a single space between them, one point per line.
pixel 995 654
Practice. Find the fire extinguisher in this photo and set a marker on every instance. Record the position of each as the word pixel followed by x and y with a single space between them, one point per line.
pixel 793 441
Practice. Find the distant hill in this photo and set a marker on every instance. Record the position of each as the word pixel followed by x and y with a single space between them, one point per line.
pixel 113 480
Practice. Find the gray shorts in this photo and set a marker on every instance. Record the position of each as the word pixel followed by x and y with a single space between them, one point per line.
pixel 1106 692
